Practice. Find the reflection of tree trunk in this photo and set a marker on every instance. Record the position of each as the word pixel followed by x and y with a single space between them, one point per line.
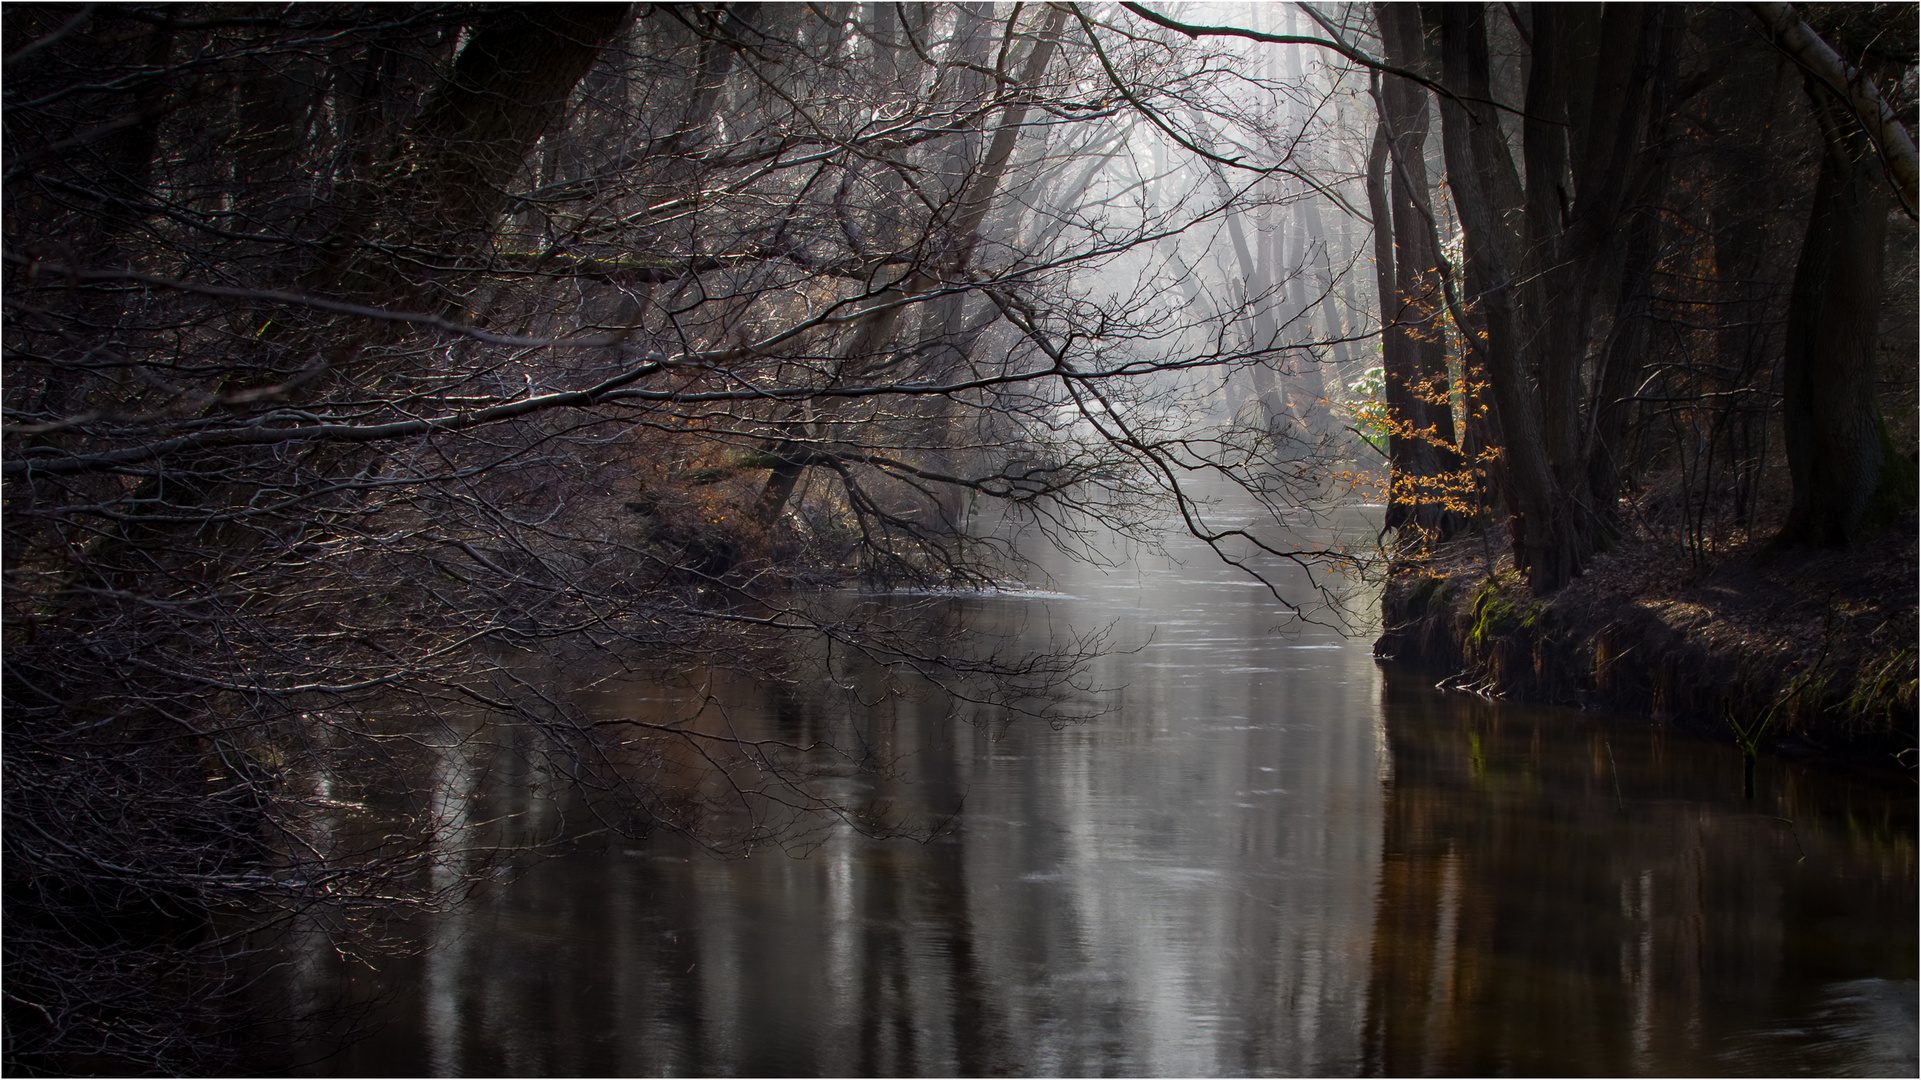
pixel 1839 455
pixel 887 1035
pixel 979 1018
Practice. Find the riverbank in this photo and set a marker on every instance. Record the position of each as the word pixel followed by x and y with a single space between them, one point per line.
pixel 1806 653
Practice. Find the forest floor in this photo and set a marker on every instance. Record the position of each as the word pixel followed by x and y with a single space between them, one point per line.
pixel 1805 652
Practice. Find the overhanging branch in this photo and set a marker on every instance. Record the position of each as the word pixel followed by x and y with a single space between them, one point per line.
pixel 1854 88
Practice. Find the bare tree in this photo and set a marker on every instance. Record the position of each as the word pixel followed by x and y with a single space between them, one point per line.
pixel 360 360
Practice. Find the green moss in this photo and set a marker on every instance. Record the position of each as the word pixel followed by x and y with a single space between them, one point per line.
pixel 1497 614
pixel 1900 474
pixel 1493 615
pixel 758 459
pixel 715 474
pixel 1430 596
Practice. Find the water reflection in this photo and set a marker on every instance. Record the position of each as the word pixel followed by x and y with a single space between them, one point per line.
pixel 1566 895
pixel 1264 859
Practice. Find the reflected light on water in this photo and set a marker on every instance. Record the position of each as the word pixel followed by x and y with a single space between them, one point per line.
pixel 1267 857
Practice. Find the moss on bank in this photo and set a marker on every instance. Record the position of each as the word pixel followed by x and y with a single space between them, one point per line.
pixel 1811 652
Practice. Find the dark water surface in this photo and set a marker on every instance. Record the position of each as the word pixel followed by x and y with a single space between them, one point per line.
pixel 1271 857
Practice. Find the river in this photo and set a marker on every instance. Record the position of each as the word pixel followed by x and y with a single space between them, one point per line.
pixel 1263 854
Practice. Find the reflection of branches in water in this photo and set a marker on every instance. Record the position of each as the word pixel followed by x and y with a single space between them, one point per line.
pixel 761 776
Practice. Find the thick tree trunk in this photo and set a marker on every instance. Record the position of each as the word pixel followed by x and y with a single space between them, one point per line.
pixel 1546 542
pixel 1843 465
pixel 447 189
pixel 1587 83
pixel 1563 308
pixel 1423 452
pixel 1377 208
pixel 1634 231
pixel 1595 81
pixel 448 186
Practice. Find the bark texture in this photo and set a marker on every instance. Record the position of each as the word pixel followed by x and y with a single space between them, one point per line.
pixel 1549 257
pixel 1857 92
pixel 448 186
pixel 1422 447
pixel 1843 465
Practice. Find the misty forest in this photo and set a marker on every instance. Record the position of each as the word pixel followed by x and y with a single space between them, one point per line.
pixel 962 538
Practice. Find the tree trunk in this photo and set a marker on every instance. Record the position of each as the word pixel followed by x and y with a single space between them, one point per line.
pixel 1485 188
pixel 1323 261
pixel 1595 80
pixel 871 334
pixel 1845 472
pixel 1635 232
pixel 1262 337
pixel 447 188
pixel 1869 108
pixel 1423 452
pixel 1377 208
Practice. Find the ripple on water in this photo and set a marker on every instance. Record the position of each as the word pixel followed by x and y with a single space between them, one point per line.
pixel 1859 1027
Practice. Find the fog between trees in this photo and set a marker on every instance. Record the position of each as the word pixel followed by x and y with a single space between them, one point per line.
pixel 356 354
